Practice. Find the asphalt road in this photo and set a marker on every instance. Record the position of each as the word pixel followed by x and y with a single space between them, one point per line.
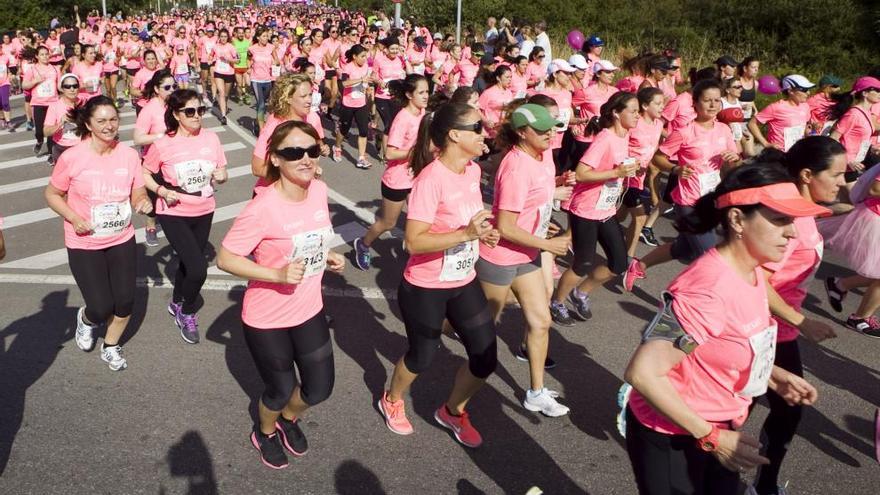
pixel 177 420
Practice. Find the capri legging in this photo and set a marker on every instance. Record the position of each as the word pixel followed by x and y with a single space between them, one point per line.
pixel 262 89
pixel 688 247
pixel 423 312
pixel 277 350
pixel 4 98
pixel 39 120
pixel 586 233
pixel 106 278
pixel 360 115
pixel 387 110
pixel 188 236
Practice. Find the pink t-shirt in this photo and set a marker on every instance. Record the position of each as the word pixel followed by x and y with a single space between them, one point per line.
pixel 679 112
pixel 492 103
pixel 262 62
pixel 791 275
pixel 47 91
pixel 90 78
pixel 856 130
pixel 522 185
pixel 56 51
pixel 132 53
pixel 467 73
pixel 644 139
pixel 447 201
pixel 6 62
pixel 108 54
pixel 262 145
pixel 786 123
pixel 402 135
pixel 873 203
pixel 416 59
pixel 224 56
pixel 99 190
pixel 721 311
pixel 599 200
pixel 819 104
pixel 277 231
pixel 387 69
pixel 187 162
pixel 140 80
pixel 66 134
pixel 562 97
pixel 151 120
pixel 180 64
pixel 699 148
pixel 535 72
pixel 590 100
pixel 355 96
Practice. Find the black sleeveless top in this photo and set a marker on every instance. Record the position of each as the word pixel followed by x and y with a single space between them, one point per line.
pixel 748 95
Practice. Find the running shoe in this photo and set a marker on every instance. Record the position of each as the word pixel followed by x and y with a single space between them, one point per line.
pixel 84 338
pixel 112 355
pixel 292 437
pixel 522 354
pixel 647 237
pixel 223 120
pixel 623 394
pixel 3 125
pixel 544 402
pixel 362 254
pixel 835 295
pixel 30 125
pixel 246 99
pixel 37 148
pixel 633 272
pixel 188 325
pixel 363 164
pixel 269 447
pixel 152 237
pixel 581 305
pixel 174 308
pixel 869 326
pixel 559 313
pixel 337 154
pixel 460 426
pixel 395 415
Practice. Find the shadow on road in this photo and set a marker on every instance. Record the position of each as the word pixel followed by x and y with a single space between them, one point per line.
pixel 189 458
pixel 353 478
pixel 36 341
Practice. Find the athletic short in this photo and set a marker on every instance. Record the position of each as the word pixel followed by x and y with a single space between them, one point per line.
pixel 13 70
pixel 396 195
pixel 633 198
pixel 204 66
pixel 330 74
pixel 57 63
pixel 109 73
pixel 181 78
pixel 131 72
pixel 503 275
pixel 241 70
pixel 227 78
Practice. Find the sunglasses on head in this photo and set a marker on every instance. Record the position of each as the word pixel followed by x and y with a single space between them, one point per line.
pixel 169 87
pixel 476 127
pixel 191 112
pixel 295 153
pixel 70 86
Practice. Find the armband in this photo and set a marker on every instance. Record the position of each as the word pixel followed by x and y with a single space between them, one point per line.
pixel 665 326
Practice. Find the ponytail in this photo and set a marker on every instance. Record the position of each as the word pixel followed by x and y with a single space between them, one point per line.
pixel 434 130
pixel 400 88
pixel 842 103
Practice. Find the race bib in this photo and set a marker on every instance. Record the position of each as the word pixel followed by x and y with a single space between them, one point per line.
pixel 3 69
pixel 45 89
pixel 709 181
pixel 110 218
pixel 110 56
pixel 357 92
pixel 92 84
pixel 319 73
pixel 737 130
pixel 181 69
pixel 316 101
pixel 437 64
pixel 459 261
pixel 194 175
pixel 827 127
pixel 123 61
pixel 519 95
pixel 56 50
pixel 419 69
pixel 564 117
pixel 763 346
pixel 609 195
pixel 223 66
pixel 791 135
pixel 275 70
pixel 863 151
pixel 68 132
pixel 544 214
pixel 312 247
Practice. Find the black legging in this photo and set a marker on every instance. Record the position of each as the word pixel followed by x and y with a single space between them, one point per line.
pixel 276 350
pixel 106 278
pixel 40 120
pixel 188 236
pixel 586 233
pixel 360 115
pixel 423 312
pixel 782 422
pixel 674 464
pixel 387 110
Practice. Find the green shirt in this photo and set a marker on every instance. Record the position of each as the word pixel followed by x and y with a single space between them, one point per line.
pixel 242 48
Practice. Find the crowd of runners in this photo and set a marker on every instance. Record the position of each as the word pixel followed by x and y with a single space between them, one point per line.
pixel 572 153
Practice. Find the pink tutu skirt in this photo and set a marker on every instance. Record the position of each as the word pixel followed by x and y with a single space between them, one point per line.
pixel 858 240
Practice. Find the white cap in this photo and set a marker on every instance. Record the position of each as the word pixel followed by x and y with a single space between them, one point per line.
pixel 604 65
pixel 796 81
pixel 560 64
pixel 438 35
pixel 578 61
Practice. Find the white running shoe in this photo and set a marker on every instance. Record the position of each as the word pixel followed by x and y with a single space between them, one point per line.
pixel 84 338
pixel 113 357
pixel 544 401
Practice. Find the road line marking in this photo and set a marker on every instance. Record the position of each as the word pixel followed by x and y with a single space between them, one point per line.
pixel 210 284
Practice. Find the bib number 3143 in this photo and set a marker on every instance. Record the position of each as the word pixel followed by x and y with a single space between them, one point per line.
pixel 459 261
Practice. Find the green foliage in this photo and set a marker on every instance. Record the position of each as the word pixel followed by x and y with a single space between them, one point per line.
pixel 18 14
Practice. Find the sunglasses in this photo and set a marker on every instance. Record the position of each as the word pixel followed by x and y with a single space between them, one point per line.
pixel 191 112
pixel 736 87
pixel 541 56
pixel 296 153
pixel 476 127
pixel 70 86
pixel 170 87
pixel 876 90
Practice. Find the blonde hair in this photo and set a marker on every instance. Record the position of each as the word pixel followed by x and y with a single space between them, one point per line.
pixel 283 90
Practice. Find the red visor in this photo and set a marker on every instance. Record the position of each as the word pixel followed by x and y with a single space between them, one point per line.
pixel 782 197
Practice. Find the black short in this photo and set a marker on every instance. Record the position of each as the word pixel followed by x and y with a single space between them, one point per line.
pixel 396 195
pixel 360 115
pixel 330 74
pixel 633 198
pixel 109 73
pixel 57 63
pixel 131 72
pixel 204 66
pixel 227 78
pixel 13 70
pixel 851 176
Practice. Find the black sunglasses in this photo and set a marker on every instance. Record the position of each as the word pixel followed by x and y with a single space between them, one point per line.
pixel 70 86
pixel 191 112
pixel 475 127
pixel 169 87
pixel 296 153
pixel 736 87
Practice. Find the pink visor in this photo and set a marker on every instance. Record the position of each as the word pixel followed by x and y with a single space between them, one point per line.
pixel 783 197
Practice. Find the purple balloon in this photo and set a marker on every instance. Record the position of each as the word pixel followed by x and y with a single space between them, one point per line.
pixel 575 39
pixel 768 85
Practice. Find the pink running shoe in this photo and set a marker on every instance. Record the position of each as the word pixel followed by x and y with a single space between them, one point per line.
pixel 633 273
pixel 461 427
pixel 395 415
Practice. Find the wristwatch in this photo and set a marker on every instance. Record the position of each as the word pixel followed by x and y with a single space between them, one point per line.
pixel 709 443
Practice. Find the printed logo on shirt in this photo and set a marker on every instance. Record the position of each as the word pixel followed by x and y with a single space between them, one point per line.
pixel 320 215
pixel 205 151
pixel 288 227
pixel 121 171
pixel 475 186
